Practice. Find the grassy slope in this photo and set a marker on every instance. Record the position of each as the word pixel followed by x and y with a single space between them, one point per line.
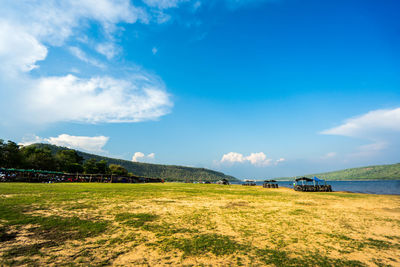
pixel 167 172
pixel 391 171
pixel 378 172
pixel 194 225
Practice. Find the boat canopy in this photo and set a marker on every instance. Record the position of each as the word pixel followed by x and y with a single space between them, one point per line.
pixel 304 179
pixel 317 179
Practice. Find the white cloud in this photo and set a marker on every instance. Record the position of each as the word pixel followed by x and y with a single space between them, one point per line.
pixel 329 155
pixel 163 4
pixel 233 157
pixel 77 52
pixel 109 50
pixel 370 150
pixel 139 156
pixel 87 143
pixel 196 5
pixel 24 40
pixel 369 125
pixel 55 21
pixel 256 159
pixel 154 50
pixel 279 161
pixel 19 50
pixel 100 99
pixel 380 126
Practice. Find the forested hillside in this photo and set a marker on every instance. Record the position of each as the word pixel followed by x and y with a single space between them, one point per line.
pixel 167 172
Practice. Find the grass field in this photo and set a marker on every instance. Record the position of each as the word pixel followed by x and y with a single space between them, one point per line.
pixel 194 225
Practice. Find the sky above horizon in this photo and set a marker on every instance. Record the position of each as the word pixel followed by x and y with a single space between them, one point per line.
pixel 252 88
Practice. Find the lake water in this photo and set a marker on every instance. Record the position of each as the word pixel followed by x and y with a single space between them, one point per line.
pixel 384 187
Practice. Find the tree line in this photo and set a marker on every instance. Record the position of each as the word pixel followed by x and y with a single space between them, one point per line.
pixel 15 156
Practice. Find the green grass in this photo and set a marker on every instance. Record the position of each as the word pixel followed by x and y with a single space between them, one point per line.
pixel 202 244
pixel 135 219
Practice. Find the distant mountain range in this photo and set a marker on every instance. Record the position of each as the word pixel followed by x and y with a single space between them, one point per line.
pixel 377 172
pixel 167 172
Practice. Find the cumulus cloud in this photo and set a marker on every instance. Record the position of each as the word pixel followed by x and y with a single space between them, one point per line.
pixel 256 159
pixel 24 42
pixel 87 143
pixel 139 156
pixel 100 99
pixel 19 50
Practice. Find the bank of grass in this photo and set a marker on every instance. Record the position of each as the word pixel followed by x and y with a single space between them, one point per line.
pixel 194 224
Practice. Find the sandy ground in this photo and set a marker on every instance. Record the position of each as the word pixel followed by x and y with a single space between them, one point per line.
pixel 215 225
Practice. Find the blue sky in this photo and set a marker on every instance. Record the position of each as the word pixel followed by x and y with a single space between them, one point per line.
pixel 252 88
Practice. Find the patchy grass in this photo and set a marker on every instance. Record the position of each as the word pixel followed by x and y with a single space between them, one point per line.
pixel 202 244
pixel 135 219
pixel 194 225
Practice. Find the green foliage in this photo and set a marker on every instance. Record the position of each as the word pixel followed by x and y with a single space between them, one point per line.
pixel 166 172
pixel 90 166
pixel 102 167
pixel 54 158
pixel 69 161
pixel 10 155
pixel 118 170
pixel 39 158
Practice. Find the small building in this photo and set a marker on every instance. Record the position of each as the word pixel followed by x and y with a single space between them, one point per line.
pixel 270 184
pixel 223 181
pixel 314 184
pixel 248 182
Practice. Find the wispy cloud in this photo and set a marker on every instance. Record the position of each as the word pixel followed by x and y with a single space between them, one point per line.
pixel 109 50
pixel 86 143
pixel 164 4
pixel 381 127
pixel 369 125
pixel 80 54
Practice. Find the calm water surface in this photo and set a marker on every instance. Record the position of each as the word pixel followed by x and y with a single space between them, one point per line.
pixel 384 187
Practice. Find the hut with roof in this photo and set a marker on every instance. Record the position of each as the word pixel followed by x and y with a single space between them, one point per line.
pixel 314 184
pixel 270 184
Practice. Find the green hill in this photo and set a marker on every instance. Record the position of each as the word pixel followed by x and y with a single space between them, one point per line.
pixel 384 172
pixel 167 172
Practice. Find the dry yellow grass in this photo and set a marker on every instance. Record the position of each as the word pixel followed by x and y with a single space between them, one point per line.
pixel 195 225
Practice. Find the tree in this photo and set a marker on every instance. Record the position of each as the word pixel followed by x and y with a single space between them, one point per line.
pixel 69 161
pixel 39 159
pixel 90 166
pixel 11 156
pixel 2 153
pixel 75 168
pixel 102 167
pixel 118 170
